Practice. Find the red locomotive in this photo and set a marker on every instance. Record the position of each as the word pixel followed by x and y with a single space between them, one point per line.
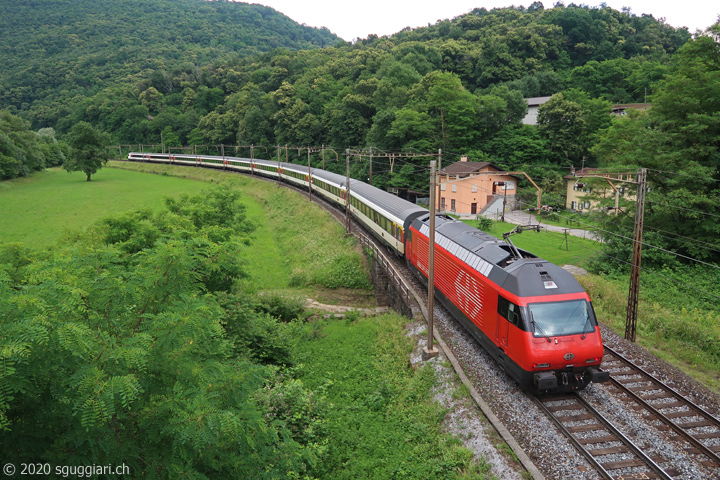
pixel 532 316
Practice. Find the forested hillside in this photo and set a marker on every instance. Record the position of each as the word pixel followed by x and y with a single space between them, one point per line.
pixel 174 74
pixel 55 50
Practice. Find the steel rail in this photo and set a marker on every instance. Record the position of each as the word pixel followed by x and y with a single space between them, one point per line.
pixel 634 449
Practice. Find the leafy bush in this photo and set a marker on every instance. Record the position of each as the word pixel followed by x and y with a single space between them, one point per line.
pixel 484 223
pixel 256 334
pixel 345 270
pixel 283 307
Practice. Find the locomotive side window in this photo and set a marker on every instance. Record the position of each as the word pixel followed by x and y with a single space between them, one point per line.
pixel 509 311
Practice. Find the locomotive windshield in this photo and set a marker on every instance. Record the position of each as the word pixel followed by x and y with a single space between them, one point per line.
pixel 561 318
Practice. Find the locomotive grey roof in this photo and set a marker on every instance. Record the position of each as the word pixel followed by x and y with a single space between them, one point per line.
pixel 527 277
pixel 533 278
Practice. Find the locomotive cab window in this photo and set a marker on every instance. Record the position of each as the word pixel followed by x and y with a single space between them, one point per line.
pixel 571 317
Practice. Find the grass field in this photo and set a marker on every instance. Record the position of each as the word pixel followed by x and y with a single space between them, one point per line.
pixel 293 243
pixel 39 209
pixel 297 244
pixel 551 246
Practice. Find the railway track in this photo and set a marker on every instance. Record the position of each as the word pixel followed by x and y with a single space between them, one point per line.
pixel 666 409
pixel 605 447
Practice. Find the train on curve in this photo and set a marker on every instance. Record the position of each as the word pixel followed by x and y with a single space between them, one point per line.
pixel 532 316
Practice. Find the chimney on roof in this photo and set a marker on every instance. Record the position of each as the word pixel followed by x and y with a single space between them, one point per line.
pixel 572 170
pixel 463 158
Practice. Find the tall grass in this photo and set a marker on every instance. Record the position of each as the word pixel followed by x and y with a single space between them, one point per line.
pixel 384 422
pixel 685 336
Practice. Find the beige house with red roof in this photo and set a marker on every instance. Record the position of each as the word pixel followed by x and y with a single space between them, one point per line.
pixel 467 187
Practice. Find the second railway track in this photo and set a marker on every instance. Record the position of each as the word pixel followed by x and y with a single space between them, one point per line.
pixel 670 412
pixel 607 449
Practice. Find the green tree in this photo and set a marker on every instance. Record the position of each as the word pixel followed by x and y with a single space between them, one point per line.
pixel 22 151
pixel 170 138
pixel 570 121
pixel 677 140
pixel 88 149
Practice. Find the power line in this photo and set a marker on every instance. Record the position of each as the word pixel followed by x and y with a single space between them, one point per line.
pixel 683 175
pixel 643 243
pixel 641 268
pixel 711 246
pixel 686 209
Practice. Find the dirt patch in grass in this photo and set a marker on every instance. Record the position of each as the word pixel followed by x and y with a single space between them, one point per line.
pixel 342 296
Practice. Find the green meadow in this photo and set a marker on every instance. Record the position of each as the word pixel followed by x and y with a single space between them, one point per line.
pixel 38 210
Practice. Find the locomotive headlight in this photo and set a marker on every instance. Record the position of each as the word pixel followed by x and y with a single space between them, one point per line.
pixel 541 365
pixel 592 360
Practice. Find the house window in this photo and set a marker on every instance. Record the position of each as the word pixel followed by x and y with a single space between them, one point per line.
pixel 587 205
pixel 573 205
pixel 442 187
pixel 442 203
pixel 474 189
pixel 452 205
pixel 454 189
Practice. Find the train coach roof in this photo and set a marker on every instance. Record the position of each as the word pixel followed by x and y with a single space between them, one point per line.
pixel 392 204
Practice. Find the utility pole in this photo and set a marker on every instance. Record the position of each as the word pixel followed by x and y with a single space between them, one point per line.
pixel 504 185
pixel 252 157
pixel 633 295
pixel 347 192
pixel 430 351
pixel 370 165
pixel 437 192
pixel 278 167
pixel 309 178
pixel 322 149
